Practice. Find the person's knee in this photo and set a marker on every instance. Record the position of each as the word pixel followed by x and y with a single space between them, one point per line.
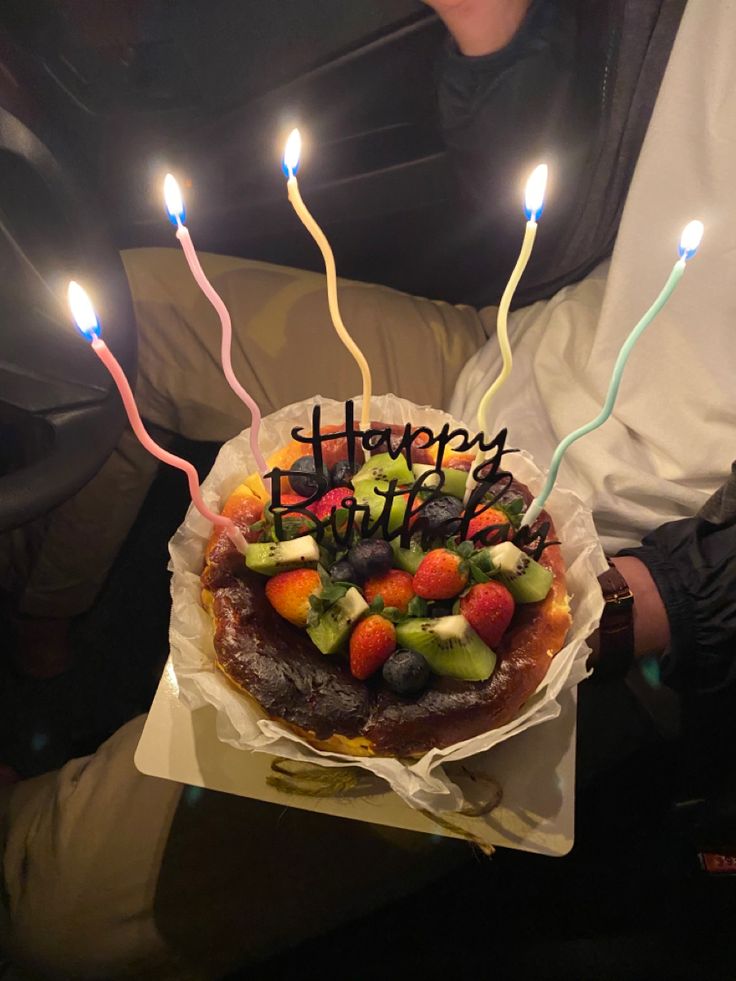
pixel 81 860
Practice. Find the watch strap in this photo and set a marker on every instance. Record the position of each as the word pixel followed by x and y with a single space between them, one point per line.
pixel 616 630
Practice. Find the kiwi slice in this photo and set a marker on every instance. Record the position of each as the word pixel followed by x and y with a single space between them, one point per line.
pixel 268 558
pixel 383 467
pixel 527 580
pixel 333 628
pixel 450 646
pixel 365 493
pixel 454 482
pixel 408 559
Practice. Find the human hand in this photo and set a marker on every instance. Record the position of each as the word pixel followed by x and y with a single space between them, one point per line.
pixel 481 27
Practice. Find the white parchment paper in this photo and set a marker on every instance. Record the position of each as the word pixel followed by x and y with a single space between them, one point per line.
pixel 424 783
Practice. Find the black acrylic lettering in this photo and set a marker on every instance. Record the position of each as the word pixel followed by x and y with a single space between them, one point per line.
pixel 412 513
pixel 525 538
pixel 492 484
pixel 279 510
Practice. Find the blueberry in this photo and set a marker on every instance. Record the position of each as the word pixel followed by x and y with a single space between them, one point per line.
pixel 406 672
pixel 342 571
pixel 440 517
pixel 342 473
pixel 307 486
pixel 371 558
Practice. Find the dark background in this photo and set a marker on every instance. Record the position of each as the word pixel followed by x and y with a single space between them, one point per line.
pixel 210 90
pixel 123 90
pixel 99 98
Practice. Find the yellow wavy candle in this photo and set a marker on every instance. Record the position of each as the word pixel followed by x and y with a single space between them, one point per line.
pixel 331 272
pixel 502 332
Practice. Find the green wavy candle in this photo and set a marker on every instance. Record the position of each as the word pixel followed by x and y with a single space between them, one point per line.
pixel 688 246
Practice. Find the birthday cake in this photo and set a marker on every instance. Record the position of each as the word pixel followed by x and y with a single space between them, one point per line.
pixel 383 607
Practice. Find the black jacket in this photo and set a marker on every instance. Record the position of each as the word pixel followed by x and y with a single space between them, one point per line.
pixel 693 563
pixel 575 88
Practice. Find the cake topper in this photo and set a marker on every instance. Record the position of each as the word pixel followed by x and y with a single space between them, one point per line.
pixel 492 484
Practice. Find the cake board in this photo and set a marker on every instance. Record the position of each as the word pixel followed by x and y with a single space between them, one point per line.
pixel 535 771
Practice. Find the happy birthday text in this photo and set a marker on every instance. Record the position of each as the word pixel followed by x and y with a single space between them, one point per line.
pixel 353 517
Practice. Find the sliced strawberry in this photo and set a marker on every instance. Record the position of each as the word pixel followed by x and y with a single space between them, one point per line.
pixel 289 592
pixel 442 574
pixel 332 499
pixel 372 642
pixel 488 607
pixel 395 588
pixel 485 520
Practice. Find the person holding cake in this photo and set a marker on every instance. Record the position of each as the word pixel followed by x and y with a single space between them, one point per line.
pixel 652 471
pixel 512 74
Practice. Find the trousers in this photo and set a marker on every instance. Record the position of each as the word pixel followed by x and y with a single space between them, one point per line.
pixel 107 873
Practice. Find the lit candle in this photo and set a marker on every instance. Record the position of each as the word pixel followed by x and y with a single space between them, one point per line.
pixel 689 242
pixel 177 215
pixel 291 163
pixel 89 326
pixel 533 205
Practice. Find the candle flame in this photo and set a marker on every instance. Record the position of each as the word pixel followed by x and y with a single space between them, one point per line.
pixel 534 194
pixel 83 312
pixel 173 200
pixel 292 151
pixel 692 233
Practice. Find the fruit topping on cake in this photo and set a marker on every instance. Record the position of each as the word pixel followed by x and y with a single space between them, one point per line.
pixel 370 553
pixel 382 607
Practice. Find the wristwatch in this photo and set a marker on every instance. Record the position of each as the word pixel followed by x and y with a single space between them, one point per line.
pixel 616 630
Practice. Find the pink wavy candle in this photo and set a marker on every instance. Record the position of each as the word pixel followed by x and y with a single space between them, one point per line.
pixel 109 360
pixel 182 233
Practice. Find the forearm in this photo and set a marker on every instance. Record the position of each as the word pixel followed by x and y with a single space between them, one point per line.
pixel 651 625
pixel 481 27
pixel 683 579
pixel 650 622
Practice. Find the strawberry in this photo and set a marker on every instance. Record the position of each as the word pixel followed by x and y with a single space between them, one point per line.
pixel 492 516
pixel 488 607
pixel 372 642
pixel 395 587
pixel 332 499
pixel 289 592
pixel 442 574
